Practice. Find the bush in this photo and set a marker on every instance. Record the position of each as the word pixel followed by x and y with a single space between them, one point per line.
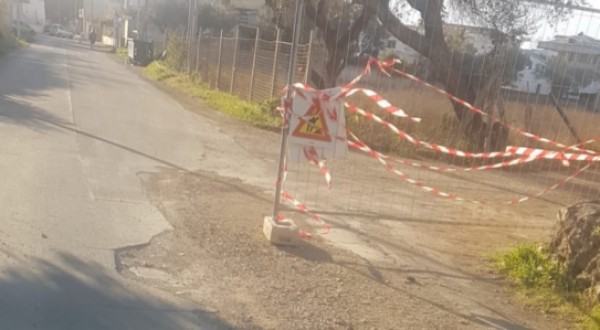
pixel 532 266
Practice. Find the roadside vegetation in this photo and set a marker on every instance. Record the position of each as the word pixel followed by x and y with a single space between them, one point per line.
pixel 542 284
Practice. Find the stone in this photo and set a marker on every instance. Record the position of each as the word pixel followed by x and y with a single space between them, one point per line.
pixel 576 244
pixel 283 232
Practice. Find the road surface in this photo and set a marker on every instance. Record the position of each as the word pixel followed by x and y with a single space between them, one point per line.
pixel 76 129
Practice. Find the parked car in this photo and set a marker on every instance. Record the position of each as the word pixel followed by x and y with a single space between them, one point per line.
pixel 58 30
pixel 27 32
pixel 64 34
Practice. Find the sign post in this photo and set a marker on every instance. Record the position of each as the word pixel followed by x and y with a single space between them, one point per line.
pixel 287 229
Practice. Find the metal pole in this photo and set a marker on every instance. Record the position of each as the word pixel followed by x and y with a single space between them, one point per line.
pixel 198 52
pixel 256 45
pixel 19 11
pixel 287 106
pixel 275 62
pixel 309 57
pixel 235 50
pixel 219 59
pixel 190 37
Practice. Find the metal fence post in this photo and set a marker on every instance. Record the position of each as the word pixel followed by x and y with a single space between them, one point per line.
pixel 198 52
pixel 256 44
pixel 287 107
pixel 309 57
pixel 219 60
pixel 275 62
pixel 235 51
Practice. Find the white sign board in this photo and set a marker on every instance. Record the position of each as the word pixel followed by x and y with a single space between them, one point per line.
pixel 317 127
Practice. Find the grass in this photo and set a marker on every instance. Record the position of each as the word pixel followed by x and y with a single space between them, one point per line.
pixel 262 115
pixel 542 284
pixel 122 53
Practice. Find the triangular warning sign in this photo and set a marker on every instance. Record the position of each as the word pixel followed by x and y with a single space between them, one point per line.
pixel 313 125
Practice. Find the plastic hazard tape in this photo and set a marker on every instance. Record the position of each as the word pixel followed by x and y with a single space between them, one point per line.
pixel 384 104
pixel 452 197
pixel 549 154
pixel 427 145
pixel 311 154
pixel 525 154
pixel 479 111
pixel 302 208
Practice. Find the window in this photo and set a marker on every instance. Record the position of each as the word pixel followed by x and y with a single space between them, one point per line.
pixel 391 44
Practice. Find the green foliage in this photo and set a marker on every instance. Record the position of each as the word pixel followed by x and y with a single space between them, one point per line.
pixel 171 15
pixel 216 18
pixel 531 266
pixel 122 53
pixel 261 115
pixel 543 284
pixel 177 54
pixel 592 320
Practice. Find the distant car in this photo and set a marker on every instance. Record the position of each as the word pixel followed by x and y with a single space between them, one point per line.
pixel 26 31
pixel 58 30
pixel 64 34
pixel 47 28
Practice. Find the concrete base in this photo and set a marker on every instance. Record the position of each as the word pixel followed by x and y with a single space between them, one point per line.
pixel 284 232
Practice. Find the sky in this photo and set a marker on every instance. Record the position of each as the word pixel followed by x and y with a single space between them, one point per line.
pixel 578 21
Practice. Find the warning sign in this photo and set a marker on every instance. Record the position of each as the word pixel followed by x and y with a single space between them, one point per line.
pixel 317 122
pixel 313 125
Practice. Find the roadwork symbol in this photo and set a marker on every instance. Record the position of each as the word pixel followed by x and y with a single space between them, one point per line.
pixel 313 125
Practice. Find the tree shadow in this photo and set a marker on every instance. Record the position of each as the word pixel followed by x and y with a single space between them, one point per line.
pixel 75 294
pixel 16 112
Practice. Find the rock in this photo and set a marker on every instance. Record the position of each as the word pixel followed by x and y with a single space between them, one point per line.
pixel 576 244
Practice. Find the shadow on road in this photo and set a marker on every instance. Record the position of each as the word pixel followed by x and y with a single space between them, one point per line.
pixel 75 294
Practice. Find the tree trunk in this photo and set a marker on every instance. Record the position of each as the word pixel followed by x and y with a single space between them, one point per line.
pixel 433 46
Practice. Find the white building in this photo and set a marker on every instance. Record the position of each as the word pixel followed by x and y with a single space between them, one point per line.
pixel 33 12
pixel 473 39
pixel 533 78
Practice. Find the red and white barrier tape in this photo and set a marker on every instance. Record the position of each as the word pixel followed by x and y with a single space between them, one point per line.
pixel 528 154
pixel 427 145
pixel 301 207
pixel 384 104
pixel 452 197
pixel 479 111
pixel 549 154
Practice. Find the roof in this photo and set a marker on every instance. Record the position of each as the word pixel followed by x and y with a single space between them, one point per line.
pixel 580 43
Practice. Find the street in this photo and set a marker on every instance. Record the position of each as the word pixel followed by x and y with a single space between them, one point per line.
pixel 76 129
pixel 124 206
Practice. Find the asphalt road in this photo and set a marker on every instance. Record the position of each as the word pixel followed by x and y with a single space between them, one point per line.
pixel 76 130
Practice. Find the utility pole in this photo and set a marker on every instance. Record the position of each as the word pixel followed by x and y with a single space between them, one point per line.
pixel 19 17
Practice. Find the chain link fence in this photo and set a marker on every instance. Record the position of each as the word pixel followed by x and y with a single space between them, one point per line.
pixel 251 68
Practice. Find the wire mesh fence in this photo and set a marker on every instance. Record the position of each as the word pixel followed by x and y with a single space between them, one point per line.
pixel 251 68
pixel 548 86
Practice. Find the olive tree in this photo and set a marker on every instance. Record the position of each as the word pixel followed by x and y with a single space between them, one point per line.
pixel 340 23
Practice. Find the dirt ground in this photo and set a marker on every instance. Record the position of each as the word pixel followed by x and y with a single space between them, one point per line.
pixel 396 258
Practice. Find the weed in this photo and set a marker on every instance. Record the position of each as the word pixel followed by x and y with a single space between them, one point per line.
pixel 543 284
pixel 531 266
pixel 122 53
